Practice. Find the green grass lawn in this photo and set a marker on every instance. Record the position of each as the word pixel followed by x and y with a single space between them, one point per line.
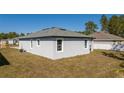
pixel 99 63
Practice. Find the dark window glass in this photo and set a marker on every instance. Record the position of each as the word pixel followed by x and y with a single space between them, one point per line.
pixel 85 43
pixel 38 42
pixel 31 43
pixel 59 45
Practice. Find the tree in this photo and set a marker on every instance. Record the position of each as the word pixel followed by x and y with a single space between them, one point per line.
pixel 3 36
pixel 90 27
pixel 114 25
pixel 28 33
pixel 12 35
pixel 8 35
pixel 121 27
pixel 22 34
pixel 104 23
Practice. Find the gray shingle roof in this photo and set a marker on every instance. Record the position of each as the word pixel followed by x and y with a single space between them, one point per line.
pixel 105 36
pixel 54 32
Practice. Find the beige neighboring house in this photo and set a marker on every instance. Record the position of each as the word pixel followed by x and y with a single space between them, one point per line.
pixel 13 41
pixel 104 40
pixel 3 43
pixel 10 42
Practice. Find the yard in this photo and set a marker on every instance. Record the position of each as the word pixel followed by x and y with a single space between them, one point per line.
pixel 99 63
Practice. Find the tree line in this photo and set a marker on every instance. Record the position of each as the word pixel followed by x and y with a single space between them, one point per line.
pixel 113 25
pixel 10 35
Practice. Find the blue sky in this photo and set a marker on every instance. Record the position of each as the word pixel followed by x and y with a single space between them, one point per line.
pixel 33 22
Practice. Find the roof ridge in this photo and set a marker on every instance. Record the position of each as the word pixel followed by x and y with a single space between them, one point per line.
pixel 55 31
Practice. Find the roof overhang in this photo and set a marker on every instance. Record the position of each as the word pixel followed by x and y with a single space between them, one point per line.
pixel 54 36
pixel 108 39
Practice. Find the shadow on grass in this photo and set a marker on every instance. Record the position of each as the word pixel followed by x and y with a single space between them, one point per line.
pixel 3 60
pixel 121 57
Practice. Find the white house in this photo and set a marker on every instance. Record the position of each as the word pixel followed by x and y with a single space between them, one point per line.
pixel 10 41
pixel 56 43
pixel 13 41
pixel 3 43
pixel 104 40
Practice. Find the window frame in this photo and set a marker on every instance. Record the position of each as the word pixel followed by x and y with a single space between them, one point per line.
pixel 31 43
pixel 37 42
pixel 114 42
pixel 86 43
pixel 61 44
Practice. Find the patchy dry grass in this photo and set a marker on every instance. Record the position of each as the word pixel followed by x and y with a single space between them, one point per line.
pixel 96 64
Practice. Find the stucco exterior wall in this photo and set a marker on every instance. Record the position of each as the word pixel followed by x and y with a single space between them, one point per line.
pixel 107 45
pixel 48 47
pixel 45 49
pixel 10 41
pixel 72 47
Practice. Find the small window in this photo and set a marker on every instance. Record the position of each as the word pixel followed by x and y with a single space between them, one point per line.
pixel 85 43
pixel 119 42
pixel 38 42
pixel 31 45
pixel 59 45
pixel 114 42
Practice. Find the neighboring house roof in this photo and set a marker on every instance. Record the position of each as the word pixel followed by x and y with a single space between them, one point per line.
pixel 105 36
pixel 9 39
pixel 54 32
pixel 16 38
pixel 3 39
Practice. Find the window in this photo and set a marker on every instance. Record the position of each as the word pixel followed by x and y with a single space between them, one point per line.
pixel 38 42
pixel 114 42
pixel 119 42
pixel 85 43
pixel 59 45
pixel 31 45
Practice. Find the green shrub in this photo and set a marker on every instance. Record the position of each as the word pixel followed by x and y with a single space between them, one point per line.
pixel 21 50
